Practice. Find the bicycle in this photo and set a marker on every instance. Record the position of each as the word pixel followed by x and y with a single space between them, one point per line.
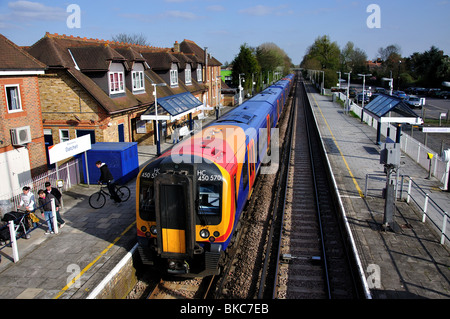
pixel 98 199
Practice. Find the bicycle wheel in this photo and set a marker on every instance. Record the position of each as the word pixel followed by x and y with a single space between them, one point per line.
pixel 124 193
pixel 97 200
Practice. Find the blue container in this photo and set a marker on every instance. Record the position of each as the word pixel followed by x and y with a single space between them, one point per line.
pixel 121 158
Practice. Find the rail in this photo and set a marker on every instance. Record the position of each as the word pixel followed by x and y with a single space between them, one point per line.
pixel 428 206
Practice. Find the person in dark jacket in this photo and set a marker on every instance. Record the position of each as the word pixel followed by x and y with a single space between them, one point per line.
pixel 45 204
pixel 106 177
pixel 55 192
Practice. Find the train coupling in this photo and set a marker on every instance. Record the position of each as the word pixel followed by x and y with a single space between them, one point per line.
pixel 177 267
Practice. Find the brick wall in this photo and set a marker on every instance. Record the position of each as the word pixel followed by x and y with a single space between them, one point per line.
pixel 29 116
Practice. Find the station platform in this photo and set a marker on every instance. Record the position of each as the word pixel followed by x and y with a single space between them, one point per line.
pixel 406 262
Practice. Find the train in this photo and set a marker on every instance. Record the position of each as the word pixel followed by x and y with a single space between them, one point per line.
pixel 190 199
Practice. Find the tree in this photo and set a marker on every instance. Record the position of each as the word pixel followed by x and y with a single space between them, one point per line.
pixel 353 59
pixel 134 38
pixel 326 52
pixel 385 53
pixel 271 57
pixel 431 68
pixel 245 62
pixel 324 55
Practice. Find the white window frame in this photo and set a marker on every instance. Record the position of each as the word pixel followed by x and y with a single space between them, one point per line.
pixel 188 76
pixel 62 138
pixel 173 77
pixel 138 80
pixel 120 86
pixel 199 75
pixel 17 98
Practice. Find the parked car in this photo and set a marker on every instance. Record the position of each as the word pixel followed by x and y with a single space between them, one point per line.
pixel 400 94
pixel 443 94
pixel 359 98
pixel 352 92
pixel 421 91
pixel 413 102
pixel 381 90
pixel 433 92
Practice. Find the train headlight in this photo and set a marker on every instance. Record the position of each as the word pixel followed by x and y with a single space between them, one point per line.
pixel 204 233
pixel 153 230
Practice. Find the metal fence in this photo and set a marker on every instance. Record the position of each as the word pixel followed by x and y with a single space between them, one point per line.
pixel 407 189
pixel 69 173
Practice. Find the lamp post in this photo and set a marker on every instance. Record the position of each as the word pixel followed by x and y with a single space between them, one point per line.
pixel 158 143
pixel 322 85
pixel 218 78
pixel 348 89
pixel 339 82
pixel 240 88
pixel 391 84
pixel 364 93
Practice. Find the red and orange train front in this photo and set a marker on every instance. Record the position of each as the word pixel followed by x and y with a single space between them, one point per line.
pixel 186 206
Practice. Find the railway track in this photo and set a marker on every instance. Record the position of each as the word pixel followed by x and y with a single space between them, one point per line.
pixel 313 261
pixel 284 248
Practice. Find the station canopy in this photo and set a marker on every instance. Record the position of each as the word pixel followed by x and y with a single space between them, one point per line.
pixel 390 109
pixel 172 108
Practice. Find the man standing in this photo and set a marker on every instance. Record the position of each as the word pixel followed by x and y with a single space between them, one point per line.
pixel 45 203
pixel 27 199
pixel 57 194
pixel 106 177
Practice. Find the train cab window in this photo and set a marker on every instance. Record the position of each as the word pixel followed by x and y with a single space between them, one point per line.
pixel 209 204
pixel 147 202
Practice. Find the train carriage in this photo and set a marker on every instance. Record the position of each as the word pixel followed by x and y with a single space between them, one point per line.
pixel 190 199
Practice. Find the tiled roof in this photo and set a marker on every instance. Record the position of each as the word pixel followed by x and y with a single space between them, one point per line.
pixel 190 47
pixel 80 56
pixel 13 57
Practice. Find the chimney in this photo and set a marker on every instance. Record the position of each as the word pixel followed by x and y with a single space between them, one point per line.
pixel 176 47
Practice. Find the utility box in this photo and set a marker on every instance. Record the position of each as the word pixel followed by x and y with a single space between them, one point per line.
pixel 121 158
pixel 391 154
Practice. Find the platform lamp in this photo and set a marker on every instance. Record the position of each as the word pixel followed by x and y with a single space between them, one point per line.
pixel 348 92
pixel 364 93
pixel 158 143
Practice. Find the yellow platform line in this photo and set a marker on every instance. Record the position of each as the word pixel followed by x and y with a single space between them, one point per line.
pixel 361 194
pixel 92 263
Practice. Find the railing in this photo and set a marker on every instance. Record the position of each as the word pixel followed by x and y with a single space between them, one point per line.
pixel 14 225
pixel 430 209
pixel 68 172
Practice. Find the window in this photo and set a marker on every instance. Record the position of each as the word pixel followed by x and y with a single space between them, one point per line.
pixel 138 80
pixel 13 98
pixel 173 78
pixel 147 202
pixel 116 84
pixel 188 76
pixel 199 74
pixel 64 136
pixel 209 204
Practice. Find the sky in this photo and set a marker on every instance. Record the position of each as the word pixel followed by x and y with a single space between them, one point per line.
pixel 224 25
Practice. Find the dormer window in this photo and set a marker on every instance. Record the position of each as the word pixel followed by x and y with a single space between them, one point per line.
pixel 116 82
pixel 188 75
pixel 138 80
pixel 199 74
pixel 174 77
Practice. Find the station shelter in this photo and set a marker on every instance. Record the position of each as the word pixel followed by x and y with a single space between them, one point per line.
pixel 391 109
